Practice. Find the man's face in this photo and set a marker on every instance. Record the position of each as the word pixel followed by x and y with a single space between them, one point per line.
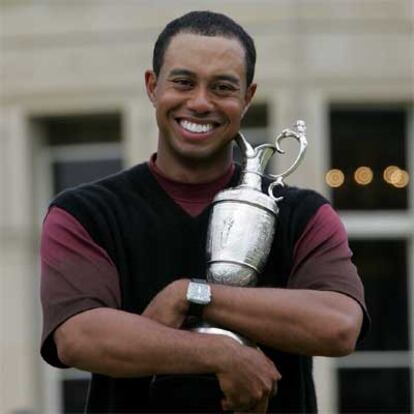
pixel 200 97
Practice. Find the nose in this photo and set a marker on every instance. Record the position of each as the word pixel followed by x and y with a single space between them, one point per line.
pixel 200 102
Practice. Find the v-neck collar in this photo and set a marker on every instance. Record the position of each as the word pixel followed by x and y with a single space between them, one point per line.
pixel 191 197
pixel 167 199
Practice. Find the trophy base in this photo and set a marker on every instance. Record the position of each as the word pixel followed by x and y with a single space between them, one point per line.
pixel 205 328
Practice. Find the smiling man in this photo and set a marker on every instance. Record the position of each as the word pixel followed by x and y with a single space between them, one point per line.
pixel 200 95
pixel 118 255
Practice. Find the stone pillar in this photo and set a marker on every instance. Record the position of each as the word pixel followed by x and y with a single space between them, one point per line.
pixel 287 106
pixel 19 379
pixel 140 133
pixel 326 378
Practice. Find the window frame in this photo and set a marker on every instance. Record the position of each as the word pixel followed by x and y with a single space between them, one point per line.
pixel 385 224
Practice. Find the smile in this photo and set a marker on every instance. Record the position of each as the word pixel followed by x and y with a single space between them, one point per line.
pixel 196 128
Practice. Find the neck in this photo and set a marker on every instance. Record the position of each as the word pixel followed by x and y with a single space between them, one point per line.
pixel 194 171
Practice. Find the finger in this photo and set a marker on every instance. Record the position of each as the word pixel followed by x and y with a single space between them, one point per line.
pixel 235 407
pixel 225 405
pixel 274 389
pixel 261 407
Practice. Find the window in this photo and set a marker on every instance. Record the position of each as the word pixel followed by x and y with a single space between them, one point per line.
pixel 74 395
pixel 368 158
pixel 380 390
pixel 75 149
pixel 80 148
pixel 378 381
pixel 370 183
pixel 382 265
pixel 254 124
pixel 71 172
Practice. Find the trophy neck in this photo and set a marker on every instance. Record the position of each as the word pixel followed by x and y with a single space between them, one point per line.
pixel 254 166
pixel 251 180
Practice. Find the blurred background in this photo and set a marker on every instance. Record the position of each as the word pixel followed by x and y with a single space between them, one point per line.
pixel 73 108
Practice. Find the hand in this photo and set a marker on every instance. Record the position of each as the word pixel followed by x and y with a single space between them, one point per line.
pixel 260 408
pixel 248 379
pixel 169 306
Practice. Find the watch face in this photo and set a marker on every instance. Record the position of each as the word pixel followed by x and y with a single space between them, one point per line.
pixel 199 293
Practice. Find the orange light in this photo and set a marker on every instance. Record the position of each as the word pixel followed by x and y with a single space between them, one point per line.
pixel 391 174
pixel 396 177
pixel 334 178
pixel 363 175
pixel 401 179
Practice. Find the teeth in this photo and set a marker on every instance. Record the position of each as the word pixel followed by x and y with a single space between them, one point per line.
pixel 197 128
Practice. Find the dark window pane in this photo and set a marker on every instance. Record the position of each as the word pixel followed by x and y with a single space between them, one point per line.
pixel 74 395
pixel 379 390
pixel 72 173
pixel 67 130
pixel 253 127
pixel 374 138
pixel 382 265
pixel 256 117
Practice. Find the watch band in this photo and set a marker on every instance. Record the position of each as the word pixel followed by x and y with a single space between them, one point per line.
pixel 195 310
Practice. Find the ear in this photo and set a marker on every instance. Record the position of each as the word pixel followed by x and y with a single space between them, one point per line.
pixel 150 85
pixel 250 91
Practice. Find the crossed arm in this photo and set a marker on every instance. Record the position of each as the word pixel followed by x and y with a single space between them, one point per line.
pixel 117 343
pixel 299 321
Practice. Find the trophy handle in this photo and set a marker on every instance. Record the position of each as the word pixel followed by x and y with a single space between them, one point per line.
pixel 298 133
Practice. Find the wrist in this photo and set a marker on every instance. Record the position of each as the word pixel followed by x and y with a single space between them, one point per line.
pixel 180 287
pixel 213 350
pixel 221 352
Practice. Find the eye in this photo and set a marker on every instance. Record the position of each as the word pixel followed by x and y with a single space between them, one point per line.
pixel 224 88
pixel 182 83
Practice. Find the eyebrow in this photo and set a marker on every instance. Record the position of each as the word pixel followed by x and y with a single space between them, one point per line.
pixel 181 72
pixel 186 72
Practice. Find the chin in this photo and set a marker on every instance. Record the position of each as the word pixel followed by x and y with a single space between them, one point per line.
pixel 205 155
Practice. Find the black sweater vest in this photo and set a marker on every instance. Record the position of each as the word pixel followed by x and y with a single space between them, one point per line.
pixel 152 242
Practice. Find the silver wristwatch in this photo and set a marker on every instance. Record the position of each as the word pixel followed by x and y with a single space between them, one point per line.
pixel 198 296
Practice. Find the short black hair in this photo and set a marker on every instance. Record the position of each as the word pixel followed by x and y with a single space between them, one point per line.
pixel 205 23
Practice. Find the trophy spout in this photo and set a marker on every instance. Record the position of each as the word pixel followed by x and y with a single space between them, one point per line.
pixel 244 145
pixel 263 153
pixel 254 166
pixel 255 161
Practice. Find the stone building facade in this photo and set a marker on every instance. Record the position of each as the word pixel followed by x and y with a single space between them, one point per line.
pixel 72 100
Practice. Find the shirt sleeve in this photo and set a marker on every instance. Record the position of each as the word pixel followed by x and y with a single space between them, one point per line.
pixel 323 260
pixel 76 275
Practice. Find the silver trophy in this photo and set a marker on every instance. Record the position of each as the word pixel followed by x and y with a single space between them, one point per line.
pixel 243 220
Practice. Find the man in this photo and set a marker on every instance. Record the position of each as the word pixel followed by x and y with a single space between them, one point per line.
pixel 118 254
